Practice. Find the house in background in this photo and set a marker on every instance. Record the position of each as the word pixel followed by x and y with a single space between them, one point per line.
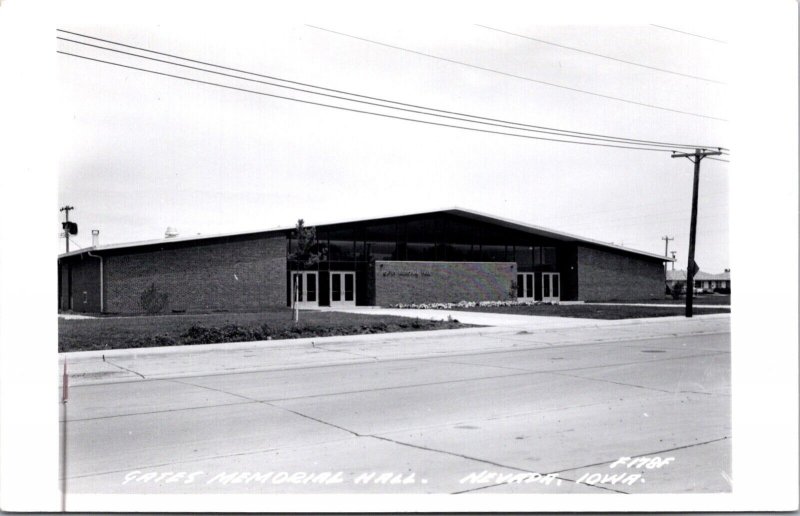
pixel 702 280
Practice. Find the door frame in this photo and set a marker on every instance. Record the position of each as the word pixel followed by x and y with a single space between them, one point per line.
pixel 547 281
pixel 304 291
pixel 525 276
pixel 341 301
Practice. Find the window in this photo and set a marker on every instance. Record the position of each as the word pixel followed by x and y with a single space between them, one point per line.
pixel 341 250
pixel 548 255
pixel 523 255
pixel 493 253
pixel 311 287
pixel 348 287
pixel 420 252
pixel 459 253
pixel 336 287
pixel 381 250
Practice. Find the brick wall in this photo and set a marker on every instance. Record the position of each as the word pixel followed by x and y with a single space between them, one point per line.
pixel 433 282
pixel 234 275
pixel 63 292
pixel 609 276
pixel 85 283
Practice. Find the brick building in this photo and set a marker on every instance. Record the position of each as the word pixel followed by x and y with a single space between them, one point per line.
pixel 442 256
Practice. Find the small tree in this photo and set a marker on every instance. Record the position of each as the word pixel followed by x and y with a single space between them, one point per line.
pixel 306 253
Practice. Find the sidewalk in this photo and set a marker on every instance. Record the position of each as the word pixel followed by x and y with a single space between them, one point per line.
pixel 660 305
pixel 139 364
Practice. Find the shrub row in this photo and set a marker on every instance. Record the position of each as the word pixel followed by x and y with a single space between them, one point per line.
pixel 200 334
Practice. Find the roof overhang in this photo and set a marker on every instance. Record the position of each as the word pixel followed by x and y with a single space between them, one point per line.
pixel 460 212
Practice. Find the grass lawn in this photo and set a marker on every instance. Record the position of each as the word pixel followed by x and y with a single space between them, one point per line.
pixel 175 330
pixel 701 299
pixel 593 311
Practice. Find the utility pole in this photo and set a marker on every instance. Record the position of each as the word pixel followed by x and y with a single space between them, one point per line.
pixel 692 267
pixel 66 210
pixel 666 250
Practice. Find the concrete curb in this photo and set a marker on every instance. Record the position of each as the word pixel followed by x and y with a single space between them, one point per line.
pixel 381 337
pixel 658 305
pixel 277 343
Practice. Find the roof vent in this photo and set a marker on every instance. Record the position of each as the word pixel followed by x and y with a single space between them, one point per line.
pixel 170 232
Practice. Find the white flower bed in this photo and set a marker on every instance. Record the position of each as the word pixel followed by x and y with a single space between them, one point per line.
pixel 466 304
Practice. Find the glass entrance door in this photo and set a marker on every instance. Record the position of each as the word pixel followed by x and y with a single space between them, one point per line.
pixel 551 287
pixel 525 284
pixel 305 286
pixel 343 288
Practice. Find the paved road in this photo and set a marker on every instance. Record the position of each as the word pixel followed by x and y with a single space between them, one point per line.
pixel 447 412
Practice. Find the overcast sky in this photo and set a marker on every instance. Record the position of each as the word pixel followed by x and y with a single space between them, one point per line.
pixel 143 152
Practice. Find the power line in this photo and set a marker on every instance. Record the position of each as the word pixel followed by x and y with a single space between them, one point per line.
pixel 600 138
pixel 689 33
pixel 581 216
pixel 530 79
pixel 640 220
pixel 634 223
pixel 601 55
pixel 719 159
pixel 594 144
pixel 544 129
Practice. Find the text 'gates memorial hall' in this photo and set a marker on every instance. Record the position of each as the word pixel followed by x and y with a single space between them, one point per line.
pixel 440 256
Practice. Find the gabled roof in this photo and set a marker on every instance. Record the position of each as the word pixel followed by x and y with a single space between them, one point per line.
pixel 460 212
pixel 550 233
pixel 680 275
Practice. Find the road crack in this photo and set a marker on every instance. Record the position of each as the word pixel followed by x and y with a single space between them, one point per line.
pixel 123 368
pixel 342 351
pixel 615 383
pixel 476 459
pixel 386 439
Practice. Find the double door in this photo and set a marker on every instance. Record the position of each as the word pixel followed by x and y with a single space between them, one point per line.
pixel 551 288
pixel 544 286
pixel 305 289
pixel 341 288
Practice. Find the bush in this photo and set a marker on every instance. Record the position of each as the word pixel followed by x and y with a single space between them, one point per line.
pixel 677 290
pixel 199 334
pixel 152 300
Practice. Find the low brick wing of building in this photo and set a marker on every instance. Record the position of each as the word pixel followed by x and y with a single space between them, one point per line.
pixel 442 256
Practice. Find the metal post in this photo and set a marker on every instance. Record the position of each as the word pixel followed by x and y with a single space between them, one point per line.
pixel 296 311
pixel 64 398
